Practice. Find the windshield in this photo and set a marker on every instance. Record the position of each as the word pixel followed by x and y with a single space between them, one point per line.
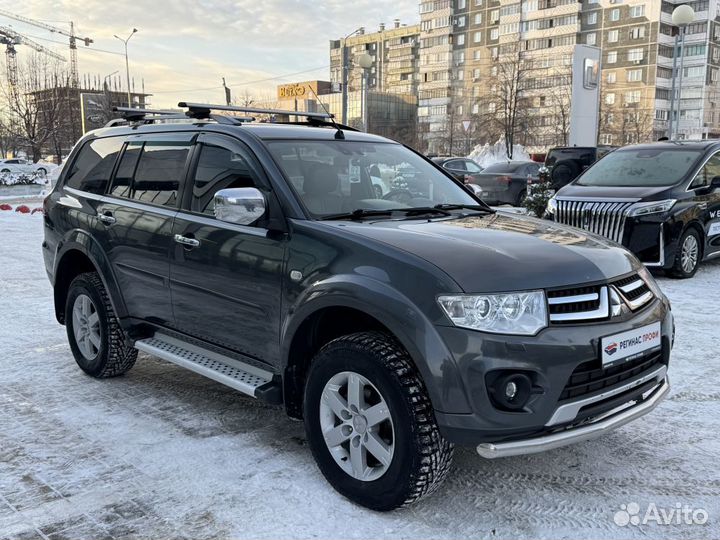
pixel 338 176
pixel 641 167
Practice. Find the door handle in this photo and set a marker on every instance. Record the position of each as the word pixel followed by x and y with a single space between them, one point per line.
pixel 107 218
pixel 185 241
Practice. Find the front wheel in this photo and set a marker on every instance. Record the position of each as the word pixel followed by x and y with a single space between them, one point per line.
pixel 370 424
pixel 96 339
pixel 688 255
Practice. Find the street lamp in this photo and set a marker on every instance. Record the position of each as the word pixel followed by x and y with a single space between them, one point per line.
pixel 345 61
pixel 127 64
pixel 365 61
pixel 681 17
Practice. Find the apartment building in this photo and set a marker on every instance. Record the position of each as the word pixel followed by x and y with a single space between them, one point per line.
pixel 479 61
pixel 394 52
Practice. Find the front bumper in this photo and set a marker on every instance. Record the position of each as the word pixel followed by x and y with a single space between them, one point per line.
pixel 596 427
pixel 550 359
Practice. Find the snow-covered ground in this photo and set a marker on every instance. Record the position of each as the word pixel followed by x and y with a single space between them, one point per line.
pixel 164 453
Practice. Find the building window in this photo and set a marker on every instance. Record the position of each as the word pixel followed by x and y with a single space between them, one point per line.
pixel 615 14
pixel 613 36
pixel 494 33
pixel 694 71
pixel 477 37
pixel 459 110
pixel 634 75
pixel 460 39
pixel 632 97
pixel 462 4
pixel 494 16
pixel 714 75
pixel 635 55
pixel 476 91
pixel 611 77
pixel 478 2
pixel 494 54
pixel 612 57
pixel 478 18
pixel 590 38
pixel 460 21
pixel 606 138
pixel 477 54
pixel 460 75
pixel 491 108
pixel 637 33
pixel 592 18
pixel 610 99
pixel 475 108
pixel 637 11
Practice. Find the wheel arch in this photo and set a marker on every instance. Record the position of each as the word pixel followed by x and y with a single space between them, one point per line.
pixel 336 308
pixel 77 255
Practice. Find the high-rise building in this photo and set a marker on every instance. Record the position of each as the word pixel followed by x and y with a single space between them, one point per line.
pixel 394 59
pixel 484 68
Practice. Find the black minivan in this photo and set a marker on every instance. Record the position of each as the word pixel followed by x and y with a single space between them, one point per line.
pixel 660 200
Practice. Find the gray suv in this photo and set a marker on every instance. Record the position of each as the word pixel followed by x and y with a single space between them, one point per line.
pixel 395 325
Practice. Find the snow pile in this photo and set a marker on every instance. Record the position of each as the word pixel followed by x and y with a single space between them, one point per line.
pixel 486 154
pixel 22 179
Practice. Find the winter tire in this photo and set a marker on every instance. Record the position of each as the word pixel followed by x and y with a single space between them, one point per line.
pixel 370 424
pixel 689 253
pixel 96 339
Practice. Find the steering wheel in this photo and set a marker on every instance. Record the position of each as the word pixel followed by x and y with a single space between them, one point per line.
pixel 403 196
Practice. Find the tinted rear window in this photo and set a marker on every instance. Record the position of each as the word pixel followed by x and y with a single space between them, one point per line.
pixel 503 167
pixel 586 155
pixel 641 167
pixel 91 170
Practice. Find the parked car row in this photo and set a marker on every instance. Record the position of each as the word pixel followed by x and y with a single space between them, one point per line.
pixel 24 166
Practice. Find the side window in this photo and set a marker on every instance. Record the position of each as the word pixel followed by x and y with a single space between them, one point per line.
pixel 219 168
pixel 472 167
pixel 92 168
pixel 151 172
pixel 456 165
pixel 710 170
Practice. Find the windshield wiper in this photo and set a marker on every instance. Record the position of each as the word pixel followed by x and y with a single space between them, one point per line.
pixel 478 207
pixel 360 213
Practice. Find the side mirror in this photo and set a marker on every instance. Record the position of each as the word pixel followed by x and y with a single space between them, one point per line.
pixel 474 189
pixel 242 206
pixel 715 182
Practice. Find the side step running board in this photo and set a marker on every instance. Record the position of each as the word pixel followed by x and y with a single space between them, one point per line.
pixel 245 378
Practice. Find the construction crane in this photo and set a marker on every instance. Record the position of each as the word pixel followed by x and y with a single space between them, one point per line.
pixel 74 78
pixel 10 38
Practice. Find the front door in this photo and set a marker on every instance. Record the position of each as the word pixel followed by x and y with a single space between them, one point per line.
pixel 227 289
pixel 708 202
pixel 137 216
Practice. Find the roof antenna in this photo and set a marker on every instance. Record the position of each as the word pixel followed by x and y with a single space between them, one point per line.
pixel 339 133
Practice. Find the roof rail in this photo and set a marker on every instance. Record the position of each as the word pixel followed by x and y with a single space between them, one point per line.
pixel 202 110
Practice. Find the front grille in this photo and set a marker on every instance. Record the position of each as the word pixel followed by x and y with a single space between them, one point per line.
pixel 588 378
pixel 603 218
pixel 596 302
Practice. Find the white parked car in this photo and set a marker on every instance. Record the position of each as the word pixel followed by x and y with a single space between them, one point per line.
pixel 19 165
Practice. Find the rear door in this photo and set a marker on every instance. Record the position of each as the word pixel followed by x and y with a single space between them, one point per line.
pixel 708 202
pixel 227 289
pixel 137 216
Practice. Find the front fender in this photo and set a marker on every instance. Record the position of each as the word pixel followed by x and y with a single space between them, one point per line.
pixel 79 240
pixel 400 316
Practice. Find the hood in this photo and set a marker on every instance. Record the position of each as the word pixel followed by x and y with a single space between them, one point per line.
pixel 503 252
pixel 607 192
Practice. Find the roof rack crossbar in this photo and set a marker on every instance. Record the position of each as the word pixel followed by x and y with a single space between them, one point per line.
pixel 128 113
pixel 205 108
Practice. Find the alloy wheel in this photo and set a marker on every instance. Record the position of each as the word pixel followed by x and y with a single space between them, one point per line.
pixel 689 254
pixel 357 426
pixel 86 326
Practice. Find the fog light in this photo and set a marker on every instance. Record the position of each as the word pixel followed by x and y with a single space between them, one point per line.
pixel 511 391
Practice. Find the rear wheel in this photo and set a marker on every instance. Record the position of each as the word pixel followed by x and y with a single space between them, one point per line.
pixel 96 339
pixel 520 200
pixel 687 258
pixel 370 424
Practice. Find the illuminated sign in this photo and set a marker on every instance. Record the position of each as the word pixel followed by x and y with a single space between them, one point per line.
pixel 292 91
pixel 590 74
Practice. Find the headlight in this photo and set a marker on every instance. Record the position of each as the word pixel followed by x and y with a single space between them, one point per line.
pixel 551 206
pixel 522 313
pixel 655 207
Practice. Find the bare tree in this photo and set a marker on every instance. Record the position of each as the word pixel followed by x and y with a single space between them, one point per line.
pixel 506 100
pixel 34 103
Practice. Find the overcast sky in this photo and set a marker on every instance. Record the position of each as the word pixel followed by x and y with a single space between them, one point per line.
pixel 183 45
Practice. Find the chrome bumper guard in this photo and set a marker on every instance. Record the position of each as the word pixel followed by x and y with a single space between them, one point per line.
pixel 597 427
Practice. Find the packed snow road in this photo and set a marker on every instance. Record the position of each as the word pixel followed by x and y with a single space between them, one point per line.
pixel 164 453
